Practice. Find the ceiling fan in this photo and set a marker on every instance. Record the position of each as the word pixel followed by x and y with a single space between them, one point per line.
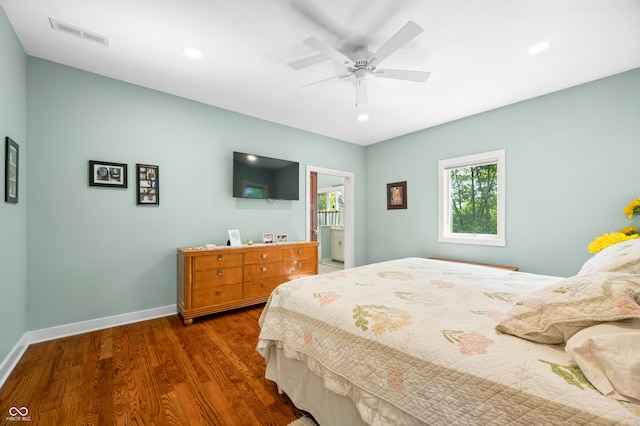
pixel 361 62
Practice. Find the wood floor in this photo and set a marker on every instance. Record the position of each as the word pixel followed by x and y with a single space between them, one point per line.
pixel 153 372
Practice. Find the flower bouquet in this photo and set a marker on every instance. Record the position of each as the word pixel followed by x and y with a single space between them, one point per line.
pixel 628 233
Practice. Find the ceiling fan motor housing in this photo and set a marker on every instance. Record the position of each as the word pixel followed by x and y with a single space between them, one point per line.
pixel 361 57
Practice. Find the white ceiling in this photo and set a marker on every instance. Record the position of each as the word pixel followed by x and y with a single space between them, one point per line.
pixel 254 60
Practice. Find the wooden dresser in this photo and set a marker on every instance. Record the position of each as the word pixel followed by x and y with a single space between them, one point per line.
pixel 223 278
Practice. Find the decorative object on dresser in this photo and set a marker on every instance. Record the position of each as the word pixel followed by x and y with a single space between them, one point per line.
pixel 148 181
pixel 225 278
pixel 107 175
pixel 234 238
pixel 12 150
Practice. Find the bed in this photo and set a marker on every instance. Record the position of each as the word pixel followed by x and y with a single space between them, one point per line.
pixel 420 341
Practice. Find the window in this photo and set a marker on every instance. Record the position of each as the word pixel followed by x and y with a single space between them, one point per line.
pixel 472 199
pixel 330 204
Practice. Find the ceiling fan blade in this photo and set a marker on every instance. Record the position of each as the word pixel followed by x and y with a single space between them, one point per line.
pixel 361 91
pixel 314 14
pixel 399 39
pixel 384 12
pixel 316 58
pixel 417 76
pixel 329 51
pixel 336 77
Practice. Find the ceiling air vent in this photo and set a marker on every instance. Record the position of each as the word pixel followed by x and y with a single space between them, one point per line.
pixel 79 32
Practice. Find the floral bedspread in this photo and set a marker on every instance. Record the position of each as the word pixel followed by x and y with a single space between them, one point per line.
pixel 416 336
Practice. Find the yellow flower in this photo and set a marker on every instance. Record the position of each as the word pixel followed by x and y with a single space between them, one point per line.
pixel 632 209
pixel 606 240
pixel 629 230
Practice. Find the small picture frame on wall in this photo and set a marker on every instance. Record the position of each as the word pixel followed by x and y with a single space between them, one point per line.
pixel 282 238
pixel 397 195
pixel 148 188
pixel 107 175
pixel 12 150
pixel 267 237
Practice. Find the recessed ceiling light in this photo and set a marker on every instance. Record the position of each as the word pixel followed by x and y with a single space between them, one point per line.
pixel 192 53
pixel 539 47
pixel 363 117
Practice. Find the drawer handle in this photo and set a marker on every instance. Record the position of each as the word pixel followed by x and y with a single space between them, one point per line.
pixel 264 255
pixel 299 264
pixel 219 257
pixel 299 251
pixel 219 272
pixel 219 293
pixel 264 269
pixel 263 285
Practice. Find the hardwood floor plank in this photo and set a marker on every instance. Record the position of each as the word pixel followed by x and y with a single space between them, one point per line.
pixel 156 372
pixel 172 413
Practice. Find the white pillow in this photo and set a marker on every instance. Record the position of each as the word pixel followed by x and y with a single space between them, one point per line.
pixel 621 257
pixel 609 356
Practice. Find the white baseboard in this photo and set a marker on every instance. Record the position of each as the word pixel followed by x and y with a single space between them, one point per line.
pixel 51 333
pixel 60 331
pixel 11 360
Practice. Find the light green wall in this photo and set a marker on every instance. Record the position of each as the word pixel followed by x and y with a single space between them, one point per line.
pixel 571 162
pixel 13 217
pixel 92 252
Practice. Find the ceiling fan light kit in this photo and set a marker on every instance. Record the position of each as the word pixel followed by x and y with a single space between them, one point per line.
pixel 363 62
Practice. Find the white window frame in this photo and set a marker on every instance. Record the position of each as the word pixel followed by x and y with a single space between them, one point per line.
pixel 444 199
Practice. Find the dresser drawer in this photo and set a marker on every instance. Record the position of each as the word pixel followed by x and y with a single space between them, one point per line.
pixel 290 253
pixel 217 261
pixel 262 256
pixel 261 288
pixel 260 272
pixel 217 277
pixel 300 267
pixel 217 295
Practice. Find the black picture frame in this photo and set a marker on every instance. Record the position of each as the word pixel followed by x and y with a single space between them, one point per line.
pixel 107 175
pixel 397 195
pixel 148 185
pixel 11 163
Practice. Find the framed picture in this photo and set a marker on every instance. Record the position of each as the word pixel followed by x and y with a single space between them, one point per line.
pixel 397 195
pixel 282 238
pixel 267 237
pixel 234 238
pixel 105 174
pixel 11 171
pixel 148 185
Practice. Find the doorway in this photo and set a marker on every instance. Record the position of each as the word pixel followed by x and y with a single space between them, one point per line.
pixel 347 211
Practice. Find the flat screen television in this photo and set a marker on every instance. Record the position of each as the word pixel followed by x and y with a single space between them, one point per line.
pixel 255 176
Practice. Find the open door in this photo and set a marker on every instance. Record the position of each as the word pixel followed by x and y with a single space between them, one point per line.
pixel 349 209
pixel 313 205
